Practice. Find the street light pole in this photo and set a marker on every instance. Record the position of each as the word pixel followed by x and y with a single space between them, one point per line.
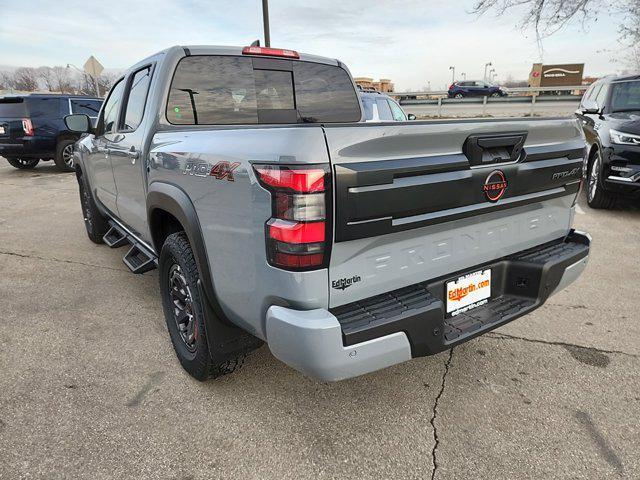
pixel 485 70
pixel 265 21
pixel 453 74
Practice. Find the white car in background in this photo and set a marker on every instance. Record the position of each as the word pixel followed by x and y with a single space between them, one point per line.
pixel 379 107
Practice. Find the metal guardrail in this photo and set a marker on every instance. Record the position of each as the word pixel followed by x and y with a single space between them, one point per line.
pixel 441 97
pixel 506 89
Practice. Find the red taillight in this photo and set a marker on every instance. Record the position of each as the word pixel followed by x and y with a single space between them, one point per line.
pixel 296 179
pixel 272 52
pixel 451 86
pixel 297 232
pixel 27 126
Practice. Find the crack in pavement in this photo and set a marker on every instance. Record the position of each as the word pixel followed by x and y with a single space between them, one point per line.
pixel 73 262
pixel 436 439
pixel 506 336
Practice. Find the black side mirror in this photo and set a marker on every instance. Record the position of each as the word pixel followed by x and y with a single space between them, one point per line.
pixel 590 106
pixel 411 116
pixel 78 123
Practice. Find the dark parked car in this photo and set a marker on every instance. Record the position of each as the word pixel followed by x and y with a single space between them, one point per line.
pixel 475 88
pixel 32 128
pixel 610 115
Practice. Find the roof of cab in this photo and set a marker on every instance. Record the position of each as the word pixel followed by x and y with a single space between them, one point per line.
pixel 232 50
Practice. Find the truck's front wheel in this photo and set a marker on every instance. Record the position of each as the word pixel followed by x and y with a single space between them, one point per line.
pixel 597 196
pixel 184 312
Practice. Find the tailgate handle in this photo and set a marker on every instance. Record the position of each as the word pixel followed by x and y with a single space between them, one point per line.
pixel 491 149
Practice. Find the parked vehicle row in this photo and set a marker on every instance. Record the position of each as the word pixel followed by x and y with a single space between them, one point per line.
pixel 32 128
pixel 275 213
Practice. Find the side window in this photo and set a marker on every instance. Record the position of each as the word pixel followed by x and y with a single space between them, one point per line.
pixel 595 92
pixel 137 98
pixel 384 112
pixel 46 107
pixel 90 108
pixel 601 97
pixel 587 94
pixel 109 122
pixel 397 112
pixel 367 104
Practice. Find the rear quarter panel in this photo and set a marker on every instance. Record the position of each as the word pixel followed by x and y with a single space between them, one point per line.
pixel 232 214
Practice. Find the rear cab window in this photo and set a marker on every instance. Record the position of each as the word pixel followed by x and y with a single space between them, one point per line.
pixel 235 90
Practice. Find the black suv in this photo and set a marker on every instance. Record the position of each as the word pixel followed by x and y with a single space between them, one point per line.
pixel 32 128
pixel 610 115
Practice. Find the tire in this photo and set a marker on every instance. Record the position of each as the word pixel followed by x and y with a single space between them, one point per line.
pixel 495 94
pixel 597 196
pixel 64 155
pixel 23 163
pixel 184 312
pixel 94 222
pixel 458 95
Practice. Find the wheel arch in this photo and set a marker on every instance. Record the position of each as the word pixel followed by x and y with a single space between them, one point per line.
pixel 169 210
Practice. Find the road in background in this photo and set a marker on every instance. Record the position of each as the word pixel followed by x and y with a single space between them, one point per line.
pixel 90 387
pixel 498 109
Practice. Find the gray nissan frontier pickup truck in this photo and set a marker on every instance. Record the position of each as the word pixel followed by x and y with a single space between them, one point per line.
pixel 275 214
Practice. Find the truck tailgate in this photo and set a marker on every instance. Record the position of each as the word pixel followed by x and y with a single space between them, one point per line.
pixel 420 200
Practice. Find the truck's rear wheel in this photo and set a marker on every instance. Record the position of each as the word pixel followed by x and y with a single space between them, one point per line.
pixel 597 196
pixel 94 222
pixel 64 155
pixel 23 163
pixel 184 312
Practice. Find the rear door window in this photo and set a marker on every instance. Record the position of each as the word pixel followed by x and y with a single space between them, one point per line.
pixel 384 112
pixel 230 90
pixel 91 108
pixel 44 107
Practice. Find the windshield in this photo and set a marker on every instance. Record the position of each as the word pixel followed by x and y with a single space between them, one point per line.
pixel 625 96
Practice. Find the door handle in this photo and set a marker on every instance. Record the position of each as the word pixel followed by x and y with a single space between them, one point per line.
pixel 133 154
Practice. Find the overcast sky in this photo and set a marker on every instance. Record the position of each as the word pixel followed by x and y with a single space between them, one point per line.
pixel 411 42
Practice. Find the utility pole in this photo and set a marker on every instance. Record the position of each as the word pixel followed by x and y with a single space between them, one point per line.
pixel 485 70
pixel 265 21
pixel 453 74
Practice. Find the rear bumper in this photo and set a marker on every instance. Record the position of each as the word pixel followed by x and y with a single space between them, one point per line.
pixel 387 329
pixel 29 147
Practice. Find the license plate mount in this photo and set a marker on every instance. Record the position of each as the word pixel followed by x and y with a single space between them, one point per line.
pixel 467 292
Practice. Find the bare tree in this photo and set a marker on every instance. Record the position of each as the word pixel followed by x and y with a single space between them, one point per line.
pixel 26 79
pixel 6 81
pixel 46 75
pixel 105 82
pixel 62 79
pixel 511 82
pixel 549 16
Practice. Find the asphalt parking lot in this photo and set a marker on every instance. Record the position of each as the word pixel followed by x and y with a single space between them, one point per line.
pixel 90 386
